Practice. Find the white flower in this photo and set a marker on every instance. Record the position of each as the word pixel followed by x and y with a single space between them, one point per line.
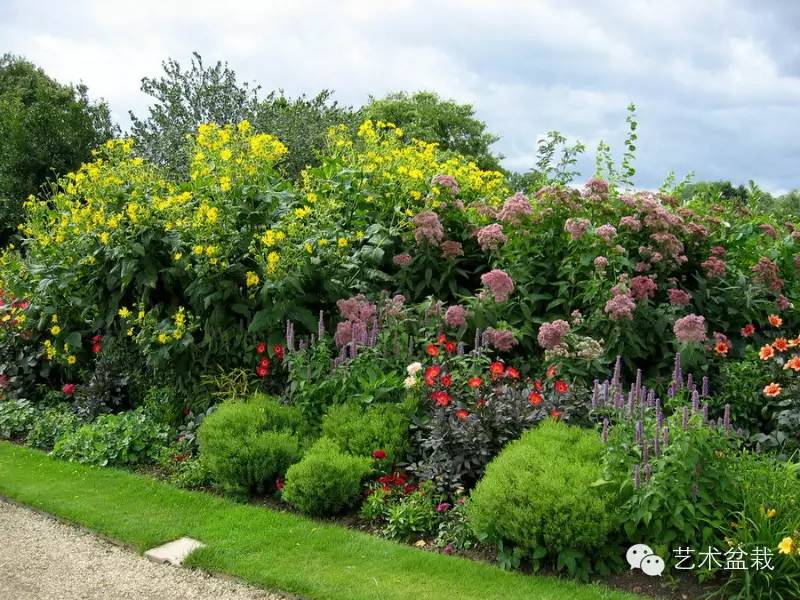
pixel 414 368
pixel 410 381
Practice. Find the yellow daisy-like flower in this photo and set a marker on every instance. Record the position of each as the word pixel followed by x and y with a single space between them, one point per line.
pixel 124 312
pixel 273 258
pixel 55 330
pixel 162 338
pixel 323 242
pixel 771 513
pixel 104 237
pixel 786 546
pixel 224 183
pixel 178 256
pixel 308 247
pixel 342 242
pixel 129 332
pixel 252 279
pixel 71 359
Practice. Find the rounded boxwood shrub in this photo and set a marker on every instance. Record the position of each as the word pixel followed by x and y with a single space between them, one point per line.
pixel 248 445
pixel 361 431
pixel 327 480
pixel 538 493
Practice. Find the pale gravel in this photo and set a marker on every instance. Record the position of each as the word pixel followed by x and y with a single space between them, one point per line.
pixel 44 559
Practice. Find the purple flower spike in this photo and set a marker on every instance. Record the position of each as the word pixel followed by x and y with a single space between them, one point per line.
pixel 638 432
pixel 605 431
pixel 321 325
pixel 657 444
pixel 595 394
pixel 637 482
pixel 647 471
pixel 617 371
pixel 685 422
pixel 460 349
pixel 659 418
pixel 695 401
pixel 666 436
pixel 726 419
pixel 705 386
pixel 705 413
pixel 690 381
pixel 638 384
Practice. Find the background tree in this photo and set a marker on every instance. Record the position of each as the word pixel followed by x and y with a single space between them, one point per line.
pixel 185 98
pixel 46 129
pixel 425 116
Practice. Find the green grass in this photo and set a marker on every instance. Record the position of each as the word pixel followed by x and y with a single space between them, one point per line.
pixel 264 547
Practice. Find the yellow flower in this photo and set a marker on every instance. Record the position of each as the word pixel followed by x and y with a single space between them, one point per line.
pixel 243 126
pixel 771 513
pixel 71 360
pixel 342 242
pixel 301 213
pixel 212 214
pixel 198 250
pixel 224 183
pixel 225 154
pixel 786 546
pixel 104 237
pixel 211 250
pixel 272 261
pixel 130 332
pixel 322 242
pixel 252 279
pixel 124 312
pixel 140 316
pixel 55 330
pixel 178 256
pixel 311 197
pixel 54 319
pixel 162 338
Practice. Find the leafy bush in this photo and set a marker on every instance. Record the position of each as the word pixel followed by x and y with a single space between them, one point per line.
pixel 361 431
pixel 125 439
pixel 50 425
pixel 17 417
pixel 538 495
pixel 326 481
pixel 248 445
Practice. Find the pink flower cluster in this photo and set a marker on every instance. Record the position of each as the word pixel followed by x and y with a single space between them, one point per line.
pixel 678 297
pixel 491 237
pixel 607 232
pixel 714 267
pixel 576 228
pixel 767 273
pixel 691 328
pixel 446 181
pixel 451 249
pixel 643 287
pixel 621 304
pixel 500 339
pixel 552 334
pixel 428 228
pixel 455 316
pixel 359 314
pixel 629 222
pixel 402 260
pixel 499 283
pixel 595 189
pixel 600 263
pixel 769 230
pixel 515 209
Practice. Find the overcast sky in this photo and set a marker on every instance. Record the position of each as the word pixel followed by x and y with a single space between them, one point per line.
pixel 716 82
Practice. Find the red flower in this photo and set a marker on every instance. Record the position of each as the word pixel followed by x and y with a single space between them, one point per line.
pixel 264 362
pixel 556 414
pixel 535 398
pixel 96 339
pixel 379 454
pixel 497 368
pixel 68 389
pixel 512 373
pixel 3 380
pixel 748 330
pixel 441 398
pixel 721 348
pixel 775 320
pixel 450 347
pixel 186 411
pixel 279 485
pixel 277 350
pixel 538 385
pixel 432 350
pixel 780 344
pixel 261 347
pixel 561 387
pixel 409 489
pixel 433 371
pixel 96 348
pixel 261 371
pixel 446 380
pixel 474 382
pixel 462 414
pixel 551 372
pixel 441 339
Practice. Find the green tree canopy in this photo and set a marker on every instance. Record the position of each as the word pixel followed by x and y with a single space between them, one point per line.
pixel 425 116
pixel 46 129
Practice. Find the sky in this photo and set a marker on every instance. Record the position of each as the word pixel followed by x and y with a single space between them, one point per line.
pixel 716 82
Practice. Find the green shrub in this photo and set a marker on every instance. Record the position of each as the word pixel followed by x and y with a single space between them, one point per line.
pixel 361 431
pixel 741 384
pixel 123 439
pixel 16 419
pixel 537 496
pixel 50 425
pixel 327 480
pixel 248 445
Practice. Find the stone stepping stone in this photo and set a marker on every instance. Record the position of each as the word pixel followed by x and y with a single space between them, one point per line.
pixel 174 553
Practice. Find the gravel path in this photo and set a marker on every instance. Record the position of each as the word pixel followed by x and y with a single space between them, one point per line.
pixel 43 559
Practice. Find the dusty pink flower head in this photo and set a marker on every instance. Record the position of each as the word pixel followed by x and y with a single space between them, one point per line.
pixel 428 228
pixel 629 222
pixel 714 267
pixel 446 181
pixel 499 284
pixel 455 316
pixel 782 302
pixel 552 334
pixel 607 232
pixel 597 186
pixel 718 251
pixel 576 228
pixel 767 273
pixel 515 208
pixel 394 305
pixel 600 263
pixel 642 267
pixel 491 237
pixel 402 260
pixel 678 297
pixel 500 339
pixel 451 249
pixel 768 230
pixel 691 328
pixel 357 308
pixel 643 287
pixel 620 306
pixel 668 243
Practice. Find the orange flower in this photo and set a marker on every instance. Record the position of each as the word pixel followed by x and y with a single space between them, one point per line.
pixel 474 382
pixel 775 320
pixel 497 368
pixel 772 390
pixel 551 372
pixel 780 344
pixel 766 352
pixel 795 342
pixel 432 350
pixel 535 398
pixel 556 414
pixel 793 363
pixel 722 348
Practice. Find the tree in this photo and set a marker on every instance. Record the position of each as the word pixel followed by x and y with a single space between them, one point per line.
pixel 423 115
pixel 185 98
pixel 46 129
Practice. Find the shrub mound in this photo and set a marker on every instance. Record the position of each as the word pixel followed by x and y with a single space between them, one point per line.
pixel 361 431
pixel 538 493
pixel 327 480
pixel 248 445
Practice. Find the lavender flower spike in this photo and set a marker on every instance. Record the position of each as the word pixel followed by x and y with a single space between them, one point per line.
pixel 615 381
pixel 726 418
pixel 666 436
pixel 637 482
pixel 321 325
pixel 705 386
pixel 605 431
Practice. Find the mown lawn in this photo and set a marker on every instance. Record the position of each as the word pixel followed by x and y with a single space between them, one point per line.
pixel 264 547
